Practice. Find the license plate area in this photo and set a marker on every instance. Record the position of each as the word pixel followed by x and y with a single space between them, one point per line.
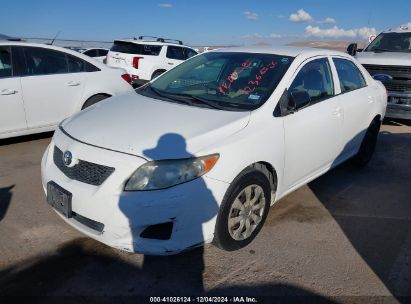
pixel 59 199
pixel 399 100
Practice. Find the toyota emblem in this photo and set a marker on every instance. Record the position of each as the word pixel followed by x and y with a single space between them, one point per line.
pixel 67 158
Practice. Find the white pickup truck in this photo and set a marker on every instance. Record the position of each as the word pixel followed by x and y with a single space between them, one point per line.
pixel 388 59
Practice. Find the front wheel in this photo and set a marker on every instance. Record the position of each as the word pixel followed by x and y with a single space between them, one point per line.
pixel 243 211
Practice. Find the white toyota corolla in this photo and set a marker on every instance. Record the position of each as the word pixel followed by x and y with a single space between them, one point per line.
pixel 200 153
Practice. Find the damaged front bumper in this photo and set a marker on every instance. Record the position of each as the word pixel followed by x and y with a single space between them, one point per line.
pixel 156 222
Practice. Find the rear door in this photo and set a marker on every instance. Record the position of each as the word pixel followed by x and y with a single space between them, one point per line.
pixel 12 114
pixel 355 99
pixel 175 55
pixel 312 134
pixel 52 86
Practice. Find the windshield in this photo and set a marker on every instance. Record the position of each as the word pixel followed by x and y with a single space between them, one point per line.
pixel 391 42
pixel 222 80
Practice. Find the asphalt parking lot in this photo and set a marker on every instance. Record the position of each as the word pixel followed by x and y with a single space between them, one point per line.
pixel 345 236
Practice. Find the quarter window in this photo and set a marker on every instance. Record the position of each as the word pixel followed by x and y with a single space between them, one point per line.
pixel 77 65
pixel 5 62
pixel 41 61
pixel 350 76
pixel 190 53
pixel 314 78
pixel 175 52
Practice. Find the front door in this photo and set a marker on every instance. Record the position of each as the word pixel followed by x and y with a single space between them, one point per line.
pixel 312 134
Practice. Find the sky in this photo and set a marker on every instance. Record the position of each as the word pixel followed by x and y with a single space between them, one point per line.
pixel 202 23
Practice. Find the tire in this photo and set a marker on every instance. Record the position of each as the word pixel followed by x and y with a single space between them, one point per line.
pixel 156 74
pixel 94 99
pixel 368 144
pixel 232 236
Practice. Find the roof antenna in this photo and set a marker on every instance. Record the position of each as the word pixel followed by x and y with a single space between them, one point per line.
pixel 55 37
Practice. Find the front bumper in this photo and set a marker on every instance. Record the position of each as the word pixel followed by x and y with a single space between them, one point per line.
pixel 399 105
pixel 191 207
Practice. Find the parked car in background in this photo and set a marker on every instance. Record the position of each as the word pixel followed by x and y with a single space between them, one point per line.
pixel 40 85
pixel 145 59
pixel 201 152
pixel 388 59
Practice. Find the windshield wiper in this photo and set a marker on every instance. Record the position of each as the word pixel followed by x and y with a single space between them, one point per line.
pixel 191 99
pixel 202 100
pixel 380 50
pixel 187 99
pixel 169 96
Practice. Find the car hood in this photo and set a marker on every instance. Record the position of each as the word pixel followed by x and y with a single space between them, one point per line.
pixel 152 128
pixel 384 58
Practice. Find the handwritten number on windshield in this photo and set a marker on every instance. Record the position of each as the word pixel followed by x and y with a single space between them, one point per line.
pixel 225 86
pixel 253 84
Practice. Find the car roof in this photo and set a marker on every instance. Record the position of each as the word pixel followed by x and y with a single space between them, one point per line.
pixel 292 51
pixel 56 48
pixel 399 30
pixel 150 42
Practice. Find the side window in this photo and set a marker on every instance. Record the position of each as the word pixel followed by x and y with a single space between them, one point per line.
pixel 40 61
pixel 102 52
pixel 77 65
pixel 350 76
pixel 175 52
pixel 315 78
pixel 5 62
pixel 91 53
pixel 189 53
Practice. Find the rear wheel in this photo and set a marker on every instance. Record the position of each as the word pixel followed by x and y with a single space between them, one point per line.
pixel 156 74
pixel 243 211
pixel 368 144
pixel 94 99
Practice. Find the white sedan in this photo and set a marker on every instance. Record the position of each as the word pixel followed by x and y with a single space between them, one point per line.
pixel 40 85
pixel 200 153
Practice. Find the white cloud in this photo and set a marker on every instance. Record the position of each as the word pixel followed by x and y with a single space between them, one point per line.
pixel 336 32
pixel 260 36
pixel 250 15
pixel 328 20
pixel 300 16
pixel 165 5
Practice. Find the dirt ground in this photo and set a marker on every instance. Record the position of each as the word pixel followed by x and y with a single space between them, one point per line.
pixel 345 237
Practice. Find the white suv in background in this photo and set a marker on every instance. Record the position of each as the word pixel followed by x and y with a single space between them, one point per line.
pixel 144 60
pixel 40 85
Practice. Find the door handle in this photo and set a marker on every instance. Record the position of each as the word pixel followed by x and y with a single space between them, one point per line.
pixel 73 83
pixel 8 92
pixel 170 63
pixel 370 99
pixel 337 112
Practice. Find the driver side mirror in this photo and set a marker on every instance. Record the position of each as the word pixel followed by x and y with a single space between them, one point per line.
pixel 298 100
pixel 352 49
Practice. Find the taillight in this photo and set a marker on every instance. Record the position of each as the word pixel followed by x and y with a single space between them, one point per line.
pixel 126 77
pixel 136 61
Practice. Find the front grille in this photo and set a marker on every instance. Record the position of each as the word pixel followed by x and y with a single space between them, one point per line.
pixel 398 87
pixel 83 171
pixel 388 68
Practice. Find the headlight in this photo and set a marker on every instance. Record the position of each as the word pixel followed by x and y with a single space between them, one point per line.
pixel 163 174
